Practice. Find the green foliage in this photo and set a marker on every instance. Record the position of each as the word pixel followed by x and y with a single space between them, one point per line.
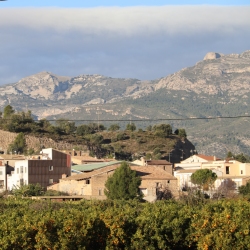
pixel 156 151
pixel 162 130
pixel 114 127
pixel 54 193
pixel 181 132
pixel 34 224
pixel 19 144
pixel 65 126
pixel 131 127
pixel 8 111
pixel 229 154
pixel 123 184
pixel 204 178
pixel 121 136
pixel 30 151
pixel 245 189
pixel 239 157
pixel 83 130
pixel 148 156
pixel 28 190
pixel 149 128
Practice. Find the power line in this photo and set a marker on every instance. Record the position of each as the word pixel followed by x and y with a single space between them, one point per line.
pixel 144 120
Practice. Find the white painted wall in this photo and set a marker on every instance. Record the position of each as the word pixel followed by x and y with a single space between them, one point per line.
pixel 3 178
pixel 19 175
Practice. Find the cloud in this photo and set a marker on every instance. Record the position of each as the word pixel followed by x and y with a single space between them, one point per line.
pixel 140 42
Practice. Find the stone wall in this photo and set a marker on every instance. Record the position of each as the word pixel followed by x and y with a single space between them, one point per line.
pixel 6 138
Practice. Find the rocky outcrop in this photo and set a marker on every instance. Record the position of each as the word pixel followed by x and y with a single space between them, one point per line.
pixel 6 138
pixel 212 55
pixel 229 73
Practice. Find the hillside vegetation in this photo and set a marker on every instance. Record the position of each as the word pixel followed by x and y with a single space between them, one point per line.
pixel 157 142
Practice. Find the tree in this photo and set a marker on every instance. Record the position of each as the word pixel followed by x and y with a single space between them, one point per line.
pixel 182 133
pixel 114 127
pixel 19 144
pixel 29 190
pixel 123 184
pixel 245 189
pixel 65 126
pixel 204 178
pixel 162 130
pixel 83 130
pixel 8 111
pixel 131 127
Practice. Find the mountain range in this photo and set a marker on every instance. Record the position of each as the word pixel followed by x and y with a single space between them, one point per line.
pixel 202 98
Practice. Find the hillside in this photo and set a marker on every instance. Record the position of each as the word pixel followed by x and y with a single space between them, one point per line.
pixel 217 86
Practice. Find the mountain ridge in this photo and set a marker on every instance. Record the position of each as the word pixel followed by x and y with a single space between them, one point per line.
pixel 216 86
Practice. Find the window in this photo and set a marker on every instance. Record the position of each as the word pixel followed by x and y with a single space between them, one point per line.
pixel 1 183
pixel 50 168
pixel 88 181
pixel 50 181
pixel 168 181
pixel 100 192
pixel 227 170
pixel 21 169
pixel 17 170
pixel 241 171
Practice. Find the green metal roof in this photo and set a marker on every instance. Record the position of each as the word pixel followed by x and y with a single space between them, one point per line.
pixel 93 166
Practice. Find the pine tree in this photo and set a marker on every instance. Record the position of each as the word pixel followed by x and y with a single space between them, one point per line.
pixel 123 184
pixel 19 144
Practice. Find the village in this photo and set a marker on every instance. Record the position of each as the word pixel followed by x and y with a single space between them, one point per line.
pixel 81 176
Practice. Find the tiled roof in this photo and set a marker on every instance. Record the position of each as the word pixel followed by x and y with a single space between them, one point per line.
pixel 186 171
pixel 152 172
pixel 92 173
pixel 145 172
pixel 158 162
pixel 207 157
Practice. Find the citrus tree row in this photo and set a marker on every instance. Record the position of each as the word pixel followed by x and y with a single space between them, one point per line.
pixel 27 224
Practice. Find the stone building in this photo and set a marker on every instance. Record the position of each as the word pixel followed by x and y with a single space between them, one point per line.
pixel 92 184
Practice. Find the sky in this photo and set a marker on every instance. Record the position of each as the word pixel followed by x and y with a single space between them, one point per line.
pixel 146 40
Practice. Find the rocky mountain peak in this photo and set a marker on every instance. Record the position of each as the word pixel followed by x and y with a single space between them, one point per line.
pixel 212 55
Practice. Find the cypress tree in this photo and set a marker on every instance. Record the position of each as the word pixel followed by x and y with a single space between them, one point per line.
pixel 123 184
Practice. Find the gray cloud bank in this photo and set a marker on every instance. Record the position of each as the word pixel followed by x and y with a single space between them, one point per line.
pixel 135 42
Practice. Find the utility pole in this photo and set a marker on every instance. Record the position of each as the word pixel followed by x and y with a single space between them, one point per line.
pixel 98 118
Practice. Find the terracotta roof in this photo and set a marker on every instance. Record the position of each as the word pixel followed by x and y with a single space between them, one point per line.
pixel 208 157
pixel 158 162
pixel 152 172
pixel 186 171
pixel 145 172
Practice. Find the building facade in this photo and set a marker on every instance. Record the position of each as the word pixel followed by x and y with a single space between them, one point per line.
pixel 92 184
pixel 45 169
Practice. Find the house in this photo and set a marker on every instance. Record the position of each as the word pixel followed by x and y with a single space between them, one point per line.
pixel 3 180
pixel 10 159
pixel 235 171
pixel 92 184
pixel 45 169
pixel 165 165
